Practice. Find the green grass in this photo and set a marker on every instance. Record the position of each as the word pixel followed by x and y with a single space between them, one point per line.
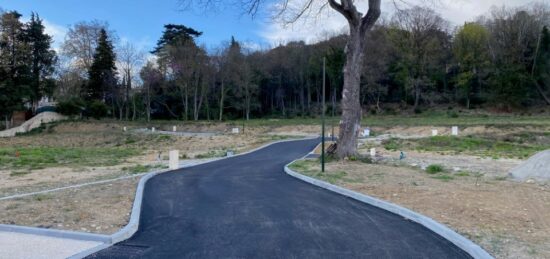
pixel 478 146
pixel 434 169
pixel 443 177
pixel 139 169
pixel 19 173
pixel 212 154
pixel 43 157
pixel 42 197
pixel 427 118
pixel 310 167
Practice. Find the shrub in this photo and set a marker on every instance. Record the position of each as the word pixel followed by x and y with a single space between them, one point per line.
pixel 452 114
pixel 434 169
pixel 97 110
pixel 70 107
pixel 417 110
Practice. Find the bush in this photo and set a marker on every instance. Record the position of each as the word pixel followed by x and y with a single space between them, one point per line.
pixel 434 169
pixel 97 109
pixel 417 110
pixel 70 107
pixel 452 114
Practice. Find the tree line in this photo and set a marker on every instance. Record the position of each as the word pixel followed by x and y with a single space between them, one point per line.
pixel 414 60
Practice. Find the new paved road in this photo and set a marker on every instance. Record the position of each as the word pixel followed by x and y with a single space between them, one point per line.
pixel 247 207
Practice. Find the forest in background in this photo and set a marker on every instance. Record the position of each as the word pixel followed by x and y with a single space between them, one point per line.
pixel 414 61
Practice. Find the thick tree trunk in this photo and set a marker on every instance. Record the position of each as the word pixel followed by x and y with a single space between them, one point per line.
pixel 351 107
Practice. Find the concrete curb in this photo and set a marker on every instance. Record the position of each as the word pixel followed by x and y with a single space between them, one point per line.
pixel 133 224
pixel 55 233
pixel 465 244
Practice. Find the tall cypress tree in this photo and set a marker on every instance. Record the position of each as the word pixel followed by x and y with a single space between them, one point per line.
pixel 42 58
pixel 14 68
pixel 102 74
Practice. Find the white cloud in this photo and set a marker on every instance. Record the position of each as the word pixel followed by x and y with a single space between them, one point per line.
pixel 57 32
pixel 330 22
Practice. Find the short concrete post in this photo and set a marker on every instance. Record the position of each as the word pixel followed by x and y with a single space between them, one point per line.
pixel 174 129
pixel 235 131
pixel 124 129
pixel 366 132
pixel 174 159
pixel 454 131
pixel 434 132
pixel 373 152
pixel 153 129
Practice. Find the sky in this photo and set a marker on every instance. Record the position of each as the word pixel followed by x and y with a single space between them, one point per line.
pixel 141 21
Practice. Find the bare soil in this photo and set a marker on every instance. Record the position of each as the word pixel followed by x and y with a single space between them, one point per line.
pixel 103 208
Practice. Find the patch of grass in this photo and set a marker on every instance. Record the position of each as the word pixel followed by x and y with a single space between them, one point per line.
pixel 434 169
pixel 443 177
pixel 310 167
pixel 283 137
pixel 462 173
pixel 164 138
pixel 33 158
pixel 392 144
pixel 212 154
pixel 130 140
pixel 42 197
pixel 139 169
pixel 478 146
pixel 20 173
pixel 500 178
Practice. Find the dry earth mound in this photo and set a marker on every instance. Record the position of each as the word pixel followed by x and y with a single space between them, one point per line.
pixel 536 168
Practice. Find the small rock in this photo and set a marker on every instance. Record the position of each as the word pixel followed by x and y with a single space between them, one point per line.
pixel 84 229
pixel 456 169
pixel 414 164
pixel 530 181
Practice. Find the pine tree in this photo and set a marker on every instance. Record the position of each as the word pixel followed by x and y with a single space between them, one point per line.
pixel 103 72
pixel 14 69
pixel 42 58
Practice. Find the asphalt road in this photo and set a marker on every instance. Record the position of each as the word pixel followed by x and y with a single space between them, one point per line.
pixel 247 207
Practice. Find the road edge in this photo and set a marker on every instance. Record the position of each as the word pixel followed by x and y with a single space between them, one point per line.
pixel 460 241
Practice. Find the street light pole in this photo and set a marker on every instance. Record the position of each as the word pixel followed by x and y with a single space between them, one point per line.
pixel 323 122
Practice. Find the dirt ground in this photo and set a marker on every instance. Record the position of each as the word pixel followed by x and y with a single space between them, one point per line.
pixel 508 219
pixel 103 208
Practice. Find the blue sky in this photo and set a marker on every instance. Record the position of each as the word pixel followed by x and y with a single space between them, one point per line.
pixel 141 21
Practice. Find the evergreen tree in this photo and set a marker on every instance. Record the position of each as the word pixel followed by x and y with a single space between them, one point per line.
pixel 14 69
pixel 42 59
pixel 102 74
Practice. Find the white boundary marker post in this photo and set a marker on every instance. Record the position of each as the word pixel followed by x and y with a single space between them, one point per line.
pixel 174 129
pixel 454 131
pixel 153 129
pixel 124 129
pixel 174 159
pixel 434 132
pixel 235 131
pixel 373 152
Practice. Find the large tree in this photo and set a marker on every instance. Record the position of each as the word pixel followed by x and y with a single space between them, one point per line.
pixel 359 25
pixel 471 53
pixel 102 73
pixel 14 65
pixel 42 59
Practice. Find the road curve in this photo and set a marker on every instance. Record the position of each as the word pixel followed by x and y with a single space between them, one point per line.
pixel 247 207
